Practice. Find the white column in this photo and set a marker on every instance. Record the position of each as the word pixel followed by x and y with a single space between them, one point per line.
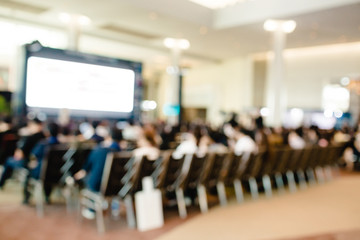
pixel 74 23
pixel 276 89
pixel 276 99
pixel 73 35
pixel 174 74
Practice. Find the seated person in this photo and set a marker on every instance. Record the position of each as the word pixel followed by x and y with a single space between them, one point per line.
pixel 147 145
pixel 21 156
pixel 6 127
pixel 194 142
pixel 295 139
pixel 8 138
pixel 92 171
pixel 244 143
pixel 215 143
pixel 36 158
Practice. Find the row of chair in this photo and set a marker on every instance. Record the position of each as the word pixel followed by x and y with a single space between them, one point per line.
pixel 191 174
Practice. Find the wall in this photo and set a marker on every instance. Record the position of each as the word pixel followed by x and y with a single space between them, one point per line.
pixel 219 87
pixel 308 70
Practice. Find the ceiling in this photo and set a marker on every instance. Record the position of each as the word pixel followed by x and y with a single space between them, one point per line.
pixel 213 35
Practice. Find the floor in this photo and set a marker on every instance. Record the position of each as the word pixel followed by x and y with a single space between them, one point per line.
pixel 329 211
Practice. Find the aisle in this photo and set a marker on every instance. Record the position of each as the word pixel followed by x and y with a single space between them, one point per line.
pixel 329 209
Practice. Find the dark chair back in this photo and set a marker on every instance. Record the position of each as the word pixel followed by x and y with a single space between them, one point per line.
pixel 53 162
pixel 254 165
pixel 167 171
pixel 270 162
pixel 137 169
pixel 305 158
pixel 145 169
pixel 114 171
pixel 334 153
pixel 213 169
pixel 191 177
pixel 7 146
pixel 295 158
pixel 315 156
pixel 81 154
pixel 283 157
pixel 233 164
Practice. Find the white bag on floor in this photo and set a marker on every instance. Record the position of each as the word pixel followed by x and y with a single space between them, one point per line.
pixel 148 205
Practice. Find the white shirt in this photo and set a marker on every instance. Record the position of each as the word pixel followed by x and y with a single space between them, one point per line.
pixel 186 147
pixel 245 144
pixel 152 153
pixel 295 141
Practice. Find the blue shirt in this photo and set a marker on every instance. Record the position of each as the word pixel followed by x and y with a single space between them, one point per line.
pixel 94 165
pixel 39 152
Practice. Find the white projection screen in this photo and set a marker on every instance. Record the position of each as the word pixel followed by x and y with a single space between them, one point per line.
pixel 85 89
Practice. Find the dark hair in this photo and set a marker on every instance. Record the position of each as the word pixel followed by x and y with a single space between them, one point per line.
pixel 36 120
pixel 150 137
pixel 116 134
pixel 216 136
pixel 299 131
pixel 53 129
pixel 95 123
pixel 197 131
pixel 7 119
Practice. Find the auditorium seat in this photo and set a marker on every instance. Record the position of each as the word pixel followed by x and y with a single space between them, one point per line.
pixel 111 183
pixel 188 183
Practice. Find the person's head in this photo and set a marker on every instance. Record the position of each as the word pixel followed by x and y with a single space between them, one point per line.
pixel 6 119
pixel 35 125
pixel 197 131
pixel 116 134
pixel 216 137
pixel 53 129
pixel 5 123
pixel 148 138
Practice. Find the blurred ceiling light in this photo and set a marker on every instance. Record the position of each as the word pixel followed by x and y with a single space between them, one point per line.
pixel 179 43
pixel 272 25
pixel 216 4
pixel 74 18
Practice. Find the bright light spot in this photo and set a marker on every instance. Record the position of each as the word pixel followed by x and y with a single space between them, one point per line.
pixel 73 18
pixel 335 97
pixel 216 4
pixel 288 26
pixel 345 81
pixel 297 113
pixel 264 112
pixel 176 43
pixel 338 113
pixel 148 105
pixel 328 113
pixel 272 25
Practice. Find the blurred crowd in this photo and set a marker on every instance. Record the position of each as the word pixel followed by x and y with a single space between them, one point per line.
pixel 151 138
